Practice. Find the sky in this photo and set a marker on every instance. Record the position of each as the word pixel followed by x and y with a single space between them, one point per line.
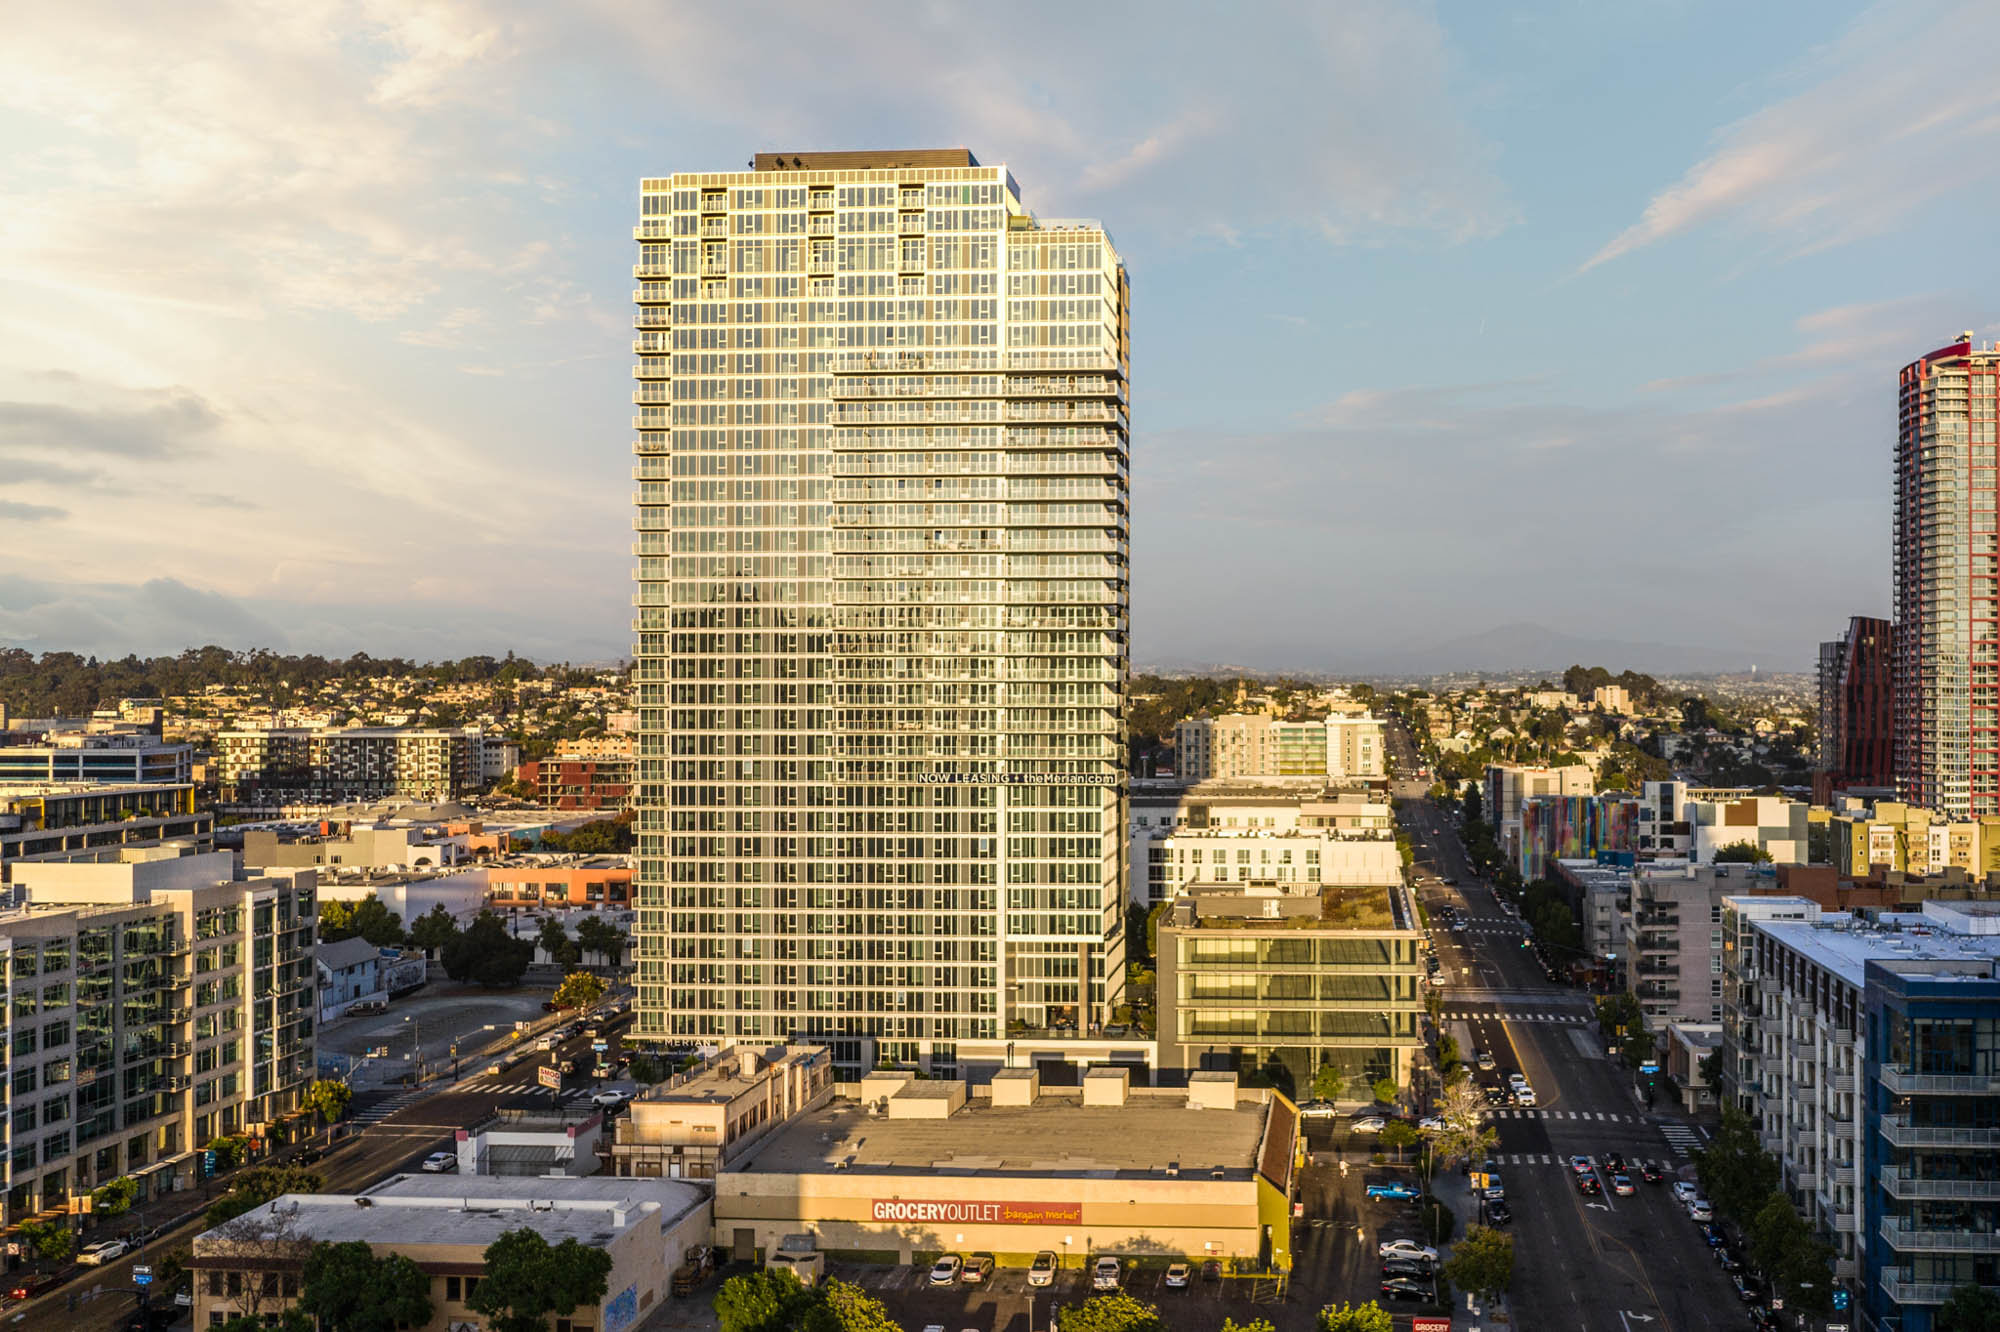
pixel 315 317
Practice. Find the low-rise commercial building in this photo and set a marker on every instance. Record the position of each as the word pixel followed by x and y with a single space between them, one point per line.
pixel 696 1122
pixel 157 1001
pixel 534 1143
pixel 94 758
pixel 356 846
pixel 1283 983
pixel 1015 1168
pixel 594 882
pixel 350 970
pixel 1243 833
pixel 249 1266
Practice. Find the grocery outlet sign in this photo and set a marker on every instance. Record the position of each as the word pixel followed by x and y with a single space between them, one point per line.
pixel 978 1213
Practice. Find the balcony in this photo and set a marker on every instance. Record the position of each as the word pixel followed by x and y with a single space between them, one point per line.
pixel 1899 1285
pixel 1806 1181
pixel 1898 1234
pixel 1902 1184
pixel 1842 1082
pixel 1841 1175
pixel 1900 1132
pixel 1905 1082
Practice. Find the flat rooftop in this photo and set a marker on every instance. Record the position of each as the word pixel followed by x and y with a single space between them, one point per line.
pixel 1846 946
pixel 1055 1137
pixel 444 1209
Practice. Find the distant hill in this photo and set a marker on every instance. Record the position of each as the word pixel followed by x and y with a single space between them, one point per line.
pixel 1524 646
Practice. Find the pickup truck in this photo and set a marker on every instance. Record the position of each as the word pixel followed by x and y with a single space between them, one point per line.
pixel 1395 1191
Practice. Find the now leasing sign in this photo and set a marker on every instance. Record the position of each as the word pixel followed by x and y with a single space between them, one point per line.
pixel 921 1211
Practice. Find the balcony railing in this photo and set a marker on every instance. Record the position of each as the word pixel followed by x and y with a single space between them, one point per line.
pixel 1899 1234
pixel 1899 1131
pixel 1902 1184
pixel 1900 1284
pixel 1906 1082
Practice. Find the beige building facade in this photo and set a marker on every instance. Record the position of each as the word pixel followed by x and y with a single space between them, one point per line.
pixel 1248 745
pixel 694 1124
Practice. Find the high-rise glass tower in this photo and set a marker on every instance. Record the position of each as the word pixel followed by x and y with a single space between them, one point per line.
pixel 881 601
pixel 1947 583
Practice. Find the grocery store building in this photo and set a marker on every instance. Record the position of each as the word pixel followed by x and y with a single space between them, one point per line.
pixel 913 1167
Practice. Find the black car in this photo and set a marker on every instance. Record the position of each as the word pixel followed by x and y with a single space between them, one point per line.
pixel 1497 1213
pixel 306 1155
pixel 1651 1173
pixel 1614 1163
pixel 1496 1096
pixel 1212 1270
pixel 1407 1267
pixel 1588 1185
pixel 1408 1288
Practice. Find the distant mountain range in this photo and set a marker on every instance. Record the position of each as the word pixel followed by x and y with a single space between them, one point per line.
pixel 1521 646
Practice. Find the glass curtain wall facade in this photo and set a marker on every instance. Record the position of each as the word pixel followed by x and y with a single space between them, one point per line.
pixel 881 641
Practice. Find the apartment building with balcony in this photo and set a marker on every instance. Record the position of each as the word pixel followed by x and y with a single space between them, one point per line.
pixel 1223 832
pixel 577 781
pixel 279 766
pixel 881 609
pixel 1343 747
pixel 1932 1083
pixel 1508 787
pixel 86 820
pixel 1817 1048
pixel 1675 936
pixel 156 1000
pixel 1284 979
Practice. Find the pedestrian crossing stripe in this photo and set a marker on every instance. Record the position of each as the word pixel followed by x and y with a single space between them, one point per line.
pixel 1523 1159
pixel 1681 1138
pixel 1502 1016
pixel 1600 1116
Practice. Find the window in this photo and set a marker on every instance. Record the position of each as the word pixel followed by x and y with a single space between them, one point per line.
pixel 452 1293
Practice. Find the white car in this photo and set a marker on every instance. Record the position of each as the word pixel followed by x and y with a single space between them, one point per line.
pixel 609 1100
pixel 440 1163
pixel 1042 1271
pixel 1178 1275
pixel 1370 1124
pixel 1431 1124
pixel 1408 1251
pixel 1700 1209
pixel 1104 1276
pixel 102 1252
pixel 1686 1192
pixel 944 1272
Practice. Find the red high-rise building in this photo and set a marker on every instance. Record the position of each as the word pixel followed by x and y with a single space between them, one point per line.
pixel 1947 582
pixel 1857 709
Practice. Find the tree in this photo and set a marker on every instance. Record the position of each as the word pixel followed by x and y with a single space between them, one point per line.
pixel 1254 1325
pixel 1330 1083
pixel 228 1151
pixel 259 1246
pixel 1742 853
pixel 1385 1090
pixel 580 989
pixel 1482 1262
pixel 348 1289
pixel 1398 1133
pixel 760 1301
pixel 1112 1313
pixel 602 938
pixel 433 930
pixel 1736 1173
pixel 840 1307
pixel 1465 1135
pixel 486 954
pixel 253 1188
pixel 329 1099
pixel 52 1241
pixel 1369 1317
pixel 367 919
pixel 1783 1247
pixel 552 938
pixel 115 1198
pixel 1971 1308
pixel 527 1279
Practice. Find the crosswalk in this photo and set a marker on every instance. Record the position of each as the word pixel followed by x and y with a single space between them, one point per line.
pixel 1594 1116
pixel 381 1110
pixel 1632 1164
pixel 497 1085
pixel 1681 1138
pixel 1502 1015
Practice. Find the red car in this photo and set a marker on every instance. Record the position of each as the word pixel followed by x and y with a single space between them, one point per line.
pixel 33 1286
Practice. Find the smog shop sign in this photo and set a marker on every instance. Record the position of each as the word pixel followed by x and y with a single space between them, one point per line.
pixel 921 1211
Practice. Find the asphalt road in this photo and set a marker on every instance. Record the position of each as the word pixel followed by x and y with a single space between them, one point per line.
pixel 387 1134
pixel 1598 1263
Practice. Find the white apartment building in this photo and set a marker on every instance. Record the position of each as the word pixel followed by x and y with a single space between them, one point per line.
pixel 1344 747
pixel 1796 1042
pixel 881 609
pixel 273 765
pixel 157 1000
pixel 1242 833
pixel 1770 823
pixel 95 758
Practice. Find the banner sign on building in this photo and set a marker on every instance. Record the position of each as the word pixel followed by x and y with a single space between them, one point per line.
pixel 977 1212
pixel 1420 1323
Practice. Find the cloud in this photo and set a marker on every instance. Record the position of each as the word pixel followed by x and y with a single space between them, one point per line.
pixel 13 510
pixel 107 619
pixel 1899 111
pixel 167 424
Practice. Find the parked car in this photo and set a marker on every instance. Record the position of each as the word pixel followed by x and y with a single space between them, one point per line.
pixel 440 1163
pixel 1369 1124
pixel 1686 1192
pixel 1408 1288
pixel 1701 1210
pixel 944 1272
pixel 1104 1276
pixel 1407 1267
pixel 1403 1248
pixel 609 1100
pixel 1497 1212
pixel 1431 1124
pixel 31 1286
pixel 977 1268
pixel 1042 1271
pixel 1212 1270
pixel 1762 1319
pixel 1318 1110
pixel 1178 1276
pixel 1394 1191
pixel 96 1255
